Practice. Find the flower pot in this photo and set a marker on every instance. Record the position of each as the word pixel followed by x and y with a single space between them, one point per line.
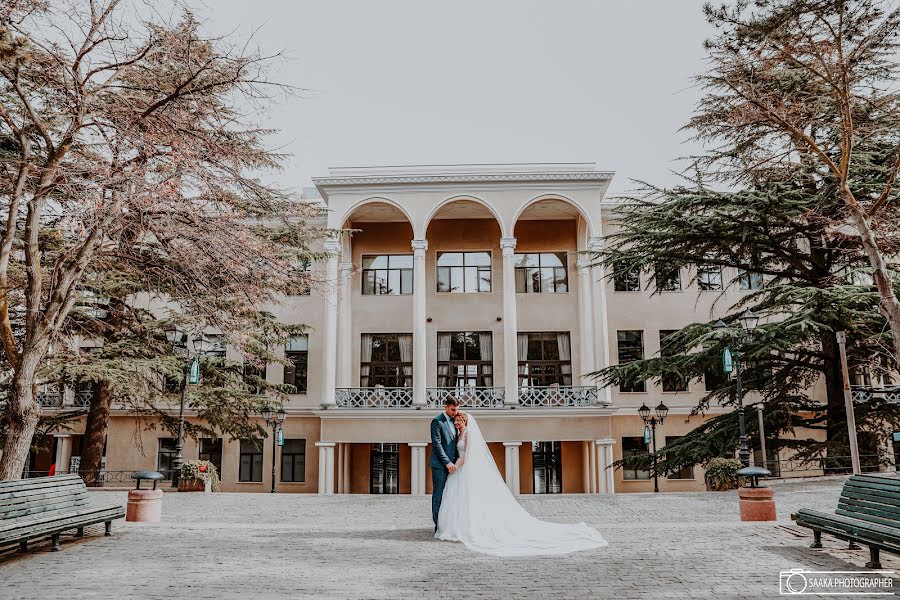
pixel 757 504
pixel 191 485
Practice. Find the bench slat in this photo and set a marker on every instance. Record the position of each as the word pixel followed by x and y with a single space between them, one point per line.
pixel 849 525
pixel 35 482
pixel 885 510
pixel 866 516
pixel 868 484
pixel 67 520
pixel 37 497
pixel 27 511
pixel 881 496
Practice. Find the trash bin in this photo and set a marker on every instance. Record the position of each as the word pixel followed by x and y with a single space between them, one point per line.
pixel 145 505
pixel 757 503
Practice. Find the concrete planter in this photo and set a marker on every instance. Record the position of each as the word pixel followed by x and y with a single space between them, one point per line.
pixel 757 503
pixel 191 485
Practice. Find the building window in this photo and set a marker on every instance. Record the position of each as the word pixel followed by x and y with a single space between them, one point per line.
pixel 387 275
pixel 631 348
pixel 684 472
pixel 861 375
pixel 216 346
pixel 668 281
pixel 385 469
pixel 254 377
pixel 293 461
pixel 165 456
pixel 625 279
pixel 386 360
pixel 301 274
pixel 296 362
pixel 544 359
pixel 464 272
pixel 671 382
pixel 465 359
pixel 714 379
pixel 544 273
pixel 709 277
pixel 749 281
pixel 211 450
pixel 547 467
pixel 634 446
pixel 251 460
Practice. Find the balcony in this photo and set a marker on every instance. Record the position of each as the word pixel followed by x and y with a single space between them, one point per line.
pixel 861 393
pixel 374 397
pixel 50 399
pixel 553 396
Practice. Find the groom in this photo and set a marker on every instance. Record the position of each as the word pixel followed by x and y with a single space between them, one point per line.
pixel 443 453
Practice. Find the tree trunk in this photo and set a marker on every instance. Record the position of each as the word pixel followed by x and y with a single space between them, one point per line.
pixel 890 305
pixel 95 435
pixel 21 419
pixel 836 411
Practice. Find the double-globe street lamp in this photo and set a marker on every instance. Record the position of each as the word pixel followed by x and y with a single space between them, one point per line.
pixel 732 355
pixel 179 341
pixel 662 411
pixel 274 420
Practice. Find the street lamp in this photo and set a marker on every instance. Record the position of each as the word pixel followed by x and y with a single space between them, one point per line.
pixel 179 341
pixel 274 420
pixel 749 321
pixel 662 411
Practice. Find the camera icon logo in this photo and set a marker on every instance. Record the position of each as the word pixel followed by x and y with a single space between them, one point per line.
pixel 793 581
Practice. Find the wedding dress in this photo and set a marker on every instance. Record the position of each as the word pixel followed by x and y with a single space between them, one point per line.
pixel 478 510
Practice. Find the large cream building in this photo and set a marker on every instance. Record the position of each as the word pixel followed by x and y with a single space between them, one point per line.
pixel 464 280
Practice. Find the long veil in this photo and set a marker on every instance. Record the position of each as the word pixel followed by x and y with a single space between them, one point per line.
pixel 479 510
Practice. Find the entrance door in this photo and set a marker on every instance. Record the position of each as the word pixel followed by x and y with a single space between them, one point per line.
pixel 385 469
pixel 547 461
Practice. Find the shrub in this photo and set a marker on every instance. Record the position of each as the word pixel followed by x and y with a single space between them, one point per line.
pixel 721 474
pixel 203 470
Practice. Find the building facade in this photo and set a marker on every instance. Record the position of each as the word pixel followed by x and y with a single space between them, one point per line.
pixel 474 281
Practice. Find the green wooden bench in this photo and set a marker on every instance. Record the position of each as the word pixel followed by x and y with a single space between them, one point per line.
pixel 46 507
pixel 868 512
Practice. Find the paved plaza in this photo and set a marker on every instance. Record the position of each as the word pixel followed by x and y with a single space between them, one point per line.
pixel 688 545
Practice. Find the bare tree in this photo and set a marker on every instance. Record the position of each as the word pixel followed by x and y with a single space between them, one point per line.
pixel 799 82
pixel 115 126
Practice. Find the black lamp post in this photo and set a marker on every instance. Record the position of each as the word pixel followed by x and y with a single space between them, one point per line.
pixel 662 411
pixel 273 420
pixel 179 341
pixel 748 320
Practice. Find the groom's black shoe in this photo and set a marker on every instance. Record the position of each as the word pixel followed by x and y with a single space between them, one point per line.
pixel 435 528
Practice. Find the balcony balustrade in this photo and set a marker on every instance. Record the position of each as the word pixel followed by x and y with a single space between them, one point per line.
pixel 866 393
pixel 553 396
pixel 50 399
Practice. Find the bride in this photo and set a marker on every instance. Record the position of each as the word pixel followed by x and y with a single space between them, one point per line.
pixel 478 509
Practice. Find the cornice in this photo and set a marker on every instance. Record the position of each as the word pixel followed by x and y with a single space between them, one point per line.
pixel 550 177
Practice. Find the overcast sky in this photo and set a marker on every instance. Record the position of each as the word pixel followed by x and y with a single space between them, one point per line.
pixel 396 82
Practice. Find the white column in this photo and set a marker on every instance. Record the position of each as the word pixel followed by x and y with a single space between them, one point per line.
pixel 345 473
pixel 420 364
pixel 340 467
pixel 345 326
pixel 329 353
pixel 510 329
pixel 606 484
pixel 417 469
pixel 601 319
pixel 512 466
pixel 586 466
pixel 592 462
pixel 63 452
pixel 586 321
pixel 326 467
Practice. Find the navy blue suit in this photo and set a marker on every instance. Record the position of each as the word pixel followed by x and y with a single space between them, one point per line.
pixel 443 452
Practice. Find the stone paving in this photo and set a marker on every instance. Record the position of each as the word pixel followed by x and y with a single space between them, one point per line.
pixel 688 545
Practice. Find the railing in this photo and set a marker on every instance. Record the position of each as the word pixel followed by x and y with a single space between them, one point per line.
pixel 571 396
pixel 50 399
pixel 104 478
pixel 83 398
pixel 374 397
pixel 866 393
pixel 552 396
pixel 827 465
pixel 468 397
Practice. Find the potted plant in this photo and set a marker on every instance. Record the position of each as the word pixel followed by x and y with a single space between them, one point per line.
pixel 198 476
pixel 721 474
